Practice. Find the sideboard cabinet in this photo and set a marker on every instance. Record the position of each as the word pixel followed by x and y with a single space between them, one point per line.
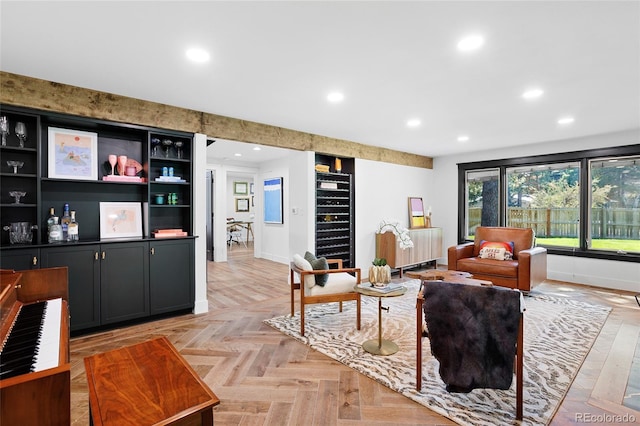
pixel 427 247
pixel 111 280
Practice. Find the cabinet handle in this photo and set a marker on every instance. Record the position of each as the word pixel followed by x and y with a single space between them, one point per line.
pixel 34 260
pixel 153 251
pixel 103 255
pixel 95 255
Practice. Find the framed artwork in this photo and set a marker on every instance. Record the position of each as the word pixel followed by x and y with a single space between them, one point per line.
pixel 73 154
pixel 242 204
pixel 240 188
pixel 273 201
pixel 416 213
pixel 120 220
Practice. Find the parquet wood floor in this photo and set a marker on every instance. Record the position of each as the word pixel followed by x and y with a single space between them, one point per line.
pixel 263 377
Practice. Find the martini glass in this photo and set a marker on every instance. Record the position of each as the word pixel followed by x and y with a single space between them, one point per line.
pixel 178 145
pixel 166 143
pixel 17 195
pixel 21 133
pixel 15 164
pixel 155 142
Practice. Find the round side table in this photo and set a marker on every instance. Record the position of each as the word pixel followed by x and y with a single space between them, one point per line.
pixel 380 346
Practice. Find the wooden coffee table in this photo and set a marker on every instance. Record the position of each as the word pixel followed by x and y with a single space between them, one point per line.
pixel 148 383
pixel 447 275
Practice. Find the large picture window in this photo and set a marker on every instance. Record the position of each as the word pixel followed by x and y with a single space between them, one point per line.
pixel 580 204
pixel 546 198
pixel 482 196
pixel 614 200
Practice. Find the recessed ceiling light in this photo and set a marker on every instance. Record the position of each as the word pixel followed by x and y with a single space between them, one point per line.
pixel 532 93
pixel 256 148
pixel 237 154
pixel 197 55
pixel 566 120
pixel 471 42
pixel 414 122
pixel 463 138
pixel 335 97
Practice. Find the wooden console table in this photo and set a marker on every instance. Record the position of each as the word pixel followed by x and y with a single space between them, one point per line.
pixel 147 384
pixel 427 247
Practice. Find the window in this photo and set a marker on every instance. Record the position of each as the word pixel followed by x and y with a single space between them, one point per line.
pixel 482 196
pixel 546 198
pixel 583 203
pixel 614 200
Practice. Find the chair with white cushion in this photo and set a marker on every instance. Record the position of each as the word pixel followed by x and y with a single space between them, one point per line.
pixel 339 286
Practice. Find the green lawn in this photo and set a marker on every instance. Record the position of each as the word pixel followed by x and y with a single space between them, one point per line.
pixel 613 245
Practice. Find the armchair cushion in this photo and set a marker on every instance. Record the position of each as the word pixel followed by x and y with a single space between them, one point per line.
pixel 498 250
pixel 318 264
pixel 339 282
pixel 302 263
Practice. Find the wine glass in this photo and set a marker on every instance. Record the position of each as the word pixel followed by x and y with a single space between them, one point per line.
pixel 155 142
pixel 113 160
pixel 15 164
pixel 4 128
pixel 178 145
pixel 21 133
pixel 17 195
pixel 122 162
pixel 166 143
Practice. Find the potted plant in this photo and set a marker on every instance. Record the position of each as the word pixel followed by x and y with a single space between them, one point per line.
pixel 380 272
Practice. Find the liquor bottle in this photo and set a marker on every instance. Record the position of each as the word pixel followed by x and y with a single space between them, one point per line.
pixel 64 221
pixel 51 220
pixel 72 228
pixel 55 232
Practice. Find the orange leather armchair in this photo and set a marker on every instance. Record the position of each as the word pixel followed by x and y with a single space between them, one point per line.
pixel 527 268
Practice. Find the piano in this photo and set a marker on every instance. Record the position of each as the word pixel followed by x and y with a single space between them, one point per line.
pixel 35 369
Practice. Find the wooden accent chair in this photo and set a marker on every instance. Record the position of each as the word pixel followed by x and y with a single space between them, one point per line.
pixel 338 288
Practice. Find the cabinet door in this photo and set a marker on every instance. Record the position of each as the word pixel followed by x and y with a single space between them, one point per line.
pixel 84 281
pixel 20 260
pixel 172 275
pixel 124 281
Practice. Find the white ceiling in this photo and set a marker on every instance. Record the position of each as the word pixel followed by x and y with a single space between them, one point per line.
pixel 275 62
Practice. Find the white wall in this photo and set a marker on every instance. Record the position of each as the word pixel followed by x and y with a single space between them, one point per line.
pixel 602 273
pixel 200 222
pixel 382 192
pixel 274 238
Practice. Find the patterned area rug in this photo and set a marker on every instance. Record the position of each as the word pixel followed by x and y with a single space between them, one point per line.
pixel 558 335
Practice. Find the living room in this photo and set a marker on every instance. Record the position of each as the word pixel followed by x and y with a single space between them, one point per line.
pixel 399 165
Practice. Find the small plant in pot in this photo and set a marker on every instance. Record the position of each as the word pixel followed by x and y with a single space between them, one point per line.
pixel 379 273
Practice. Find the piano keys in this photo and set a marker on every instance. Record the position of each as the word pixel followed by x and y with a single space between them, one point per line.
pixel 34 340
pixel 35 379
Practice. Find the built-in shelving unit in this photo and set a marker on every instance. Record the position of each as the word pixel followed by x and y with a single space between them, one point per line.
pixel 110 280
pixel 335 211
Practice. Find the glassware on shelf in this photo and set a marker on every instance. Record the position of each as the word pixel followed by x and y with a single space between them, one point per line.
pixel 166 143
pixel 155 142
pixel 122 163
pixel 113 160
pixel 21 133
pixel 17 195
pixel 4 128
pixel 15 164
pixel 178 145
pixel 20 232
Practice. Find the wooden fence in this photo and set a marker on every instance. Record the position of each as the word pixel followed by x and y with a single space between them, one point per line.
pixel 622 224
